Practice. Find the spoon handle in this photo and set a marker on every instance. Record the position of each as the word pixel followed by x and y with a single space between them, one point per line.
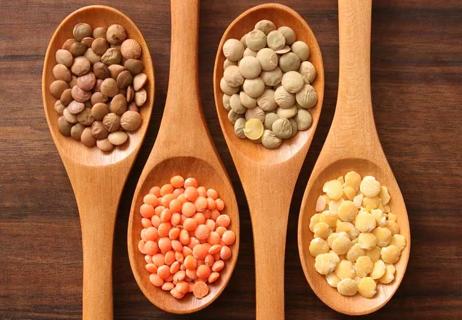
pixel 269 193
pixel 354 118
pixel 97 192
pixel 97 239
pixel 183 106
pixel 183 84
pixel 269 225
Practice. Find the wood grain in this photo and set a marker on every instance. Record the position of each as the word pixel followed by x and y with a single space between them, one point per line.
pixel 183 147
pixel 352 144
pixel 266 173
pixel 416 76
pixel 97 178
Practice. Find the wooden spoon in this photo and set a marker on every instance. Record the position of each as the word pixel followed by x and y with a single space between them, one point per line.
pixel 97 178
pixel 269 176
pixel 183 146
pixel 352 144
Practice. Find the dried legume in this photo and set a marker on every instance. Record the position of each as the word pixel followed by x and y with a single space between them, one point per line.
pixel 186 237
pixel 356 239
pixel 97 76
pixel 268 68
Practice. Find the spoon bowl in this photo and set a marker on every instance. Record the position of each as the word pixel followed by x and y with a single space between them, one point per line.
pixel 281 16
pixel 96 16
pixel 269 176
pixel 97 178
pixel 352 144
pixel 160 174
pixel 183 147
pixel 356 305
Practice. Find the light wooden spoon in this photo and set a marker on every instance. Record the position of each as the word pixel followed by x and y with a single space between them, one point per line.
pixel 183 146
pixel 269 176
pixel 97 178
pixel 352 144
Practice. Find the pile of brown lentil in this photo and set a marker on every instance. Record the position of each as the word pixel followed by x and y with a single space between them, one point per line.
pixel 99 86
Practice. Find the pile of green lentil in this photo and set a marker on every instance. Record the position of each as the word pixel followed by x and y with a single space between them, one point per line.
pixel 99 86
pixel 266 84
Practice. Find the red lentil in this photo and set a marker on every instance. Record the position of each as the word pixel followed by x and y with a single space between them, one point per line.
pixel 186 237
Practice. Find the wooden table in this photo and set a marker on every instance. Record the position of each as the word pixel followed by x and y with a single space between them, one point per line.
pixel 417 77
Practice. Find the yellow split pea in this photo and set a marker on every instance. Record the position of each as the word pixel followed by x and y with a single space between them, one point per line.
pixel 356 236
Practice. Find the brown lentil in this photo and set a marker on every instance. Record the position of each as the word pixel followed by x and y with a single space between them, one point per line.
pixel 118 138
pixel 118 104
pixel 81 30
pixel 98 85
pixel 98 97
pixel 75 107
pixel 141 97
pixel 139 81
pixel 130 121
pixel 98 130
pixel 99 32
pixel 130 49
pixel 87 138
pixel 130 94
pixel 64 126
pixel 124 79
pixel 104 145
pixel 99 110
pixel 64 57
pixel 93 86
pixel 85 117
pixel 80 95
pixel 87 41
pixel 111 56
pixel 115 34
pixel 91 56
pixel 69 116
pixel 76 131
pixel 101 70
pixel 111 122
pixel 67 44
pixel 86 82
pixel 77 49
pixel 57 87
pixel 59 107
pixel 99 46
pixel 109 87
pixel 80 66
pixel 66 96
pixel 134 66
pixel 115 69
pixel 61 72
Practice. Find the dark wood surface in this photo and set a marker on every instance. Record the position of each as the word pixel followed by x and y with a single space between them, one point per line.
pixel 417 94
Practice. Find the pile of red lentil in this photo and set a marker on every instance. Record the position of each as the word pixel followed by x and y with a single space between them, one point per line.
pixel 186 237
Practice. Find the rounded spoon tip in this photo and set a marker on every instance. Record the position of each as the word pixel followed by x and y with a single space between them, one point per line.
pixel 95 15
pixel 159 174
pixel 356 305
pixel 281 15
